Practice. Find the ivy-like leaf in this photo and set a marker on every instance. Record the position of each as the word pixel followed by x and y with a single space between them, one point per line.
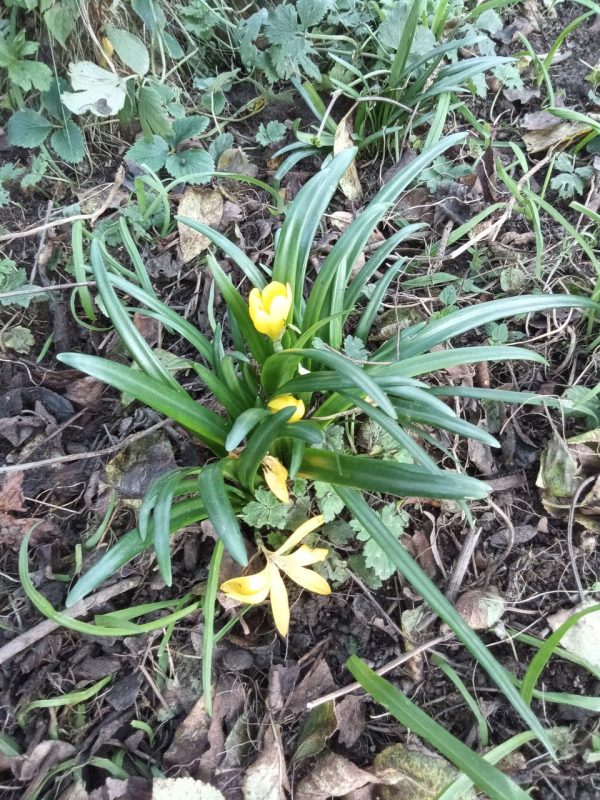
pixel 328 501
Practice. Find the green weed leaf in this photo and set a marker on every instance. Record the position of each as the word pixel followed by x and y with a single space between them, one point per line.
pixel 192 164
pixel 68 142
pixel 27 128
pixel 152 153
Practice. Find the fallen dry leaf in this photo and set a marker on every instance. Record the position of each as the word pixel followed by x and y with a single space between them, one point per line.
pixel 13 529
pixel 266 777
pixel 582 638
pixel 320 724
pixel 349 182
pixel 85 392
pixel 190 740
pixel 183 789
pixel 413 774
pixel 481 608
pixel 315 683
pixel 32 765
pixel 11 491
pixel 203 205
pixel 332 775
pixel 350 718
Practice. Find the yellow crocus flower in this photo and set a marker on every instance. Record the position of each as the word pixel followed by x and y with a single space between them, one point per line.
pixel 285 401
pixel 254 589
pixel 276 476
pixel 270 308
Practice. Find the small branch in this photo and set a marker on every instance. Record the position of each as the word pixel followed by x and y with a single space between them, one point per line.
pixel 396 662
pixel 43 629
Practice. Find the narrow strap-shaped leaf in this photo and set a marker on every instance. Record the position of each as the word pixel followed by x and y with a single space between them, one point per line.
pixel 443 359
pixel 243 425
pixel 259 445
pixel 367 317
pixel 166 315
pixel 215 497
pixel 365 274
pixel 237 255
pixel 161 528
pixel 485 776
pixel 208 633
pixel 306 431
pixel 183 513
pixel 413 412
pixel 405 44
pixel 442 330
pixel 239 310
pixel 153 493
pixel 395 431
pixel 179 406
pixel 419 581
pixel 388 477
pixel 228 399
pixel 133 341
pixel 298 448
pixel 300 225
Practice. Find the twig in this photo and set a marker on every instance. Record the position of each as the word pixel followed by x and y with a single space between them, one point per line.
pixel 33 635
pixel 510 529
pixel 9 237
pixel 571 522
pixel 396 662
pixel 42 243
pixel 26 290
pixel 462 562
pixel 46 462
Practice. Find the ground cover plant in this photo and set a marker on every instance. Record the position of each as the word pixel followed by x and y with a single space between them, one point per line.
pixel 299 316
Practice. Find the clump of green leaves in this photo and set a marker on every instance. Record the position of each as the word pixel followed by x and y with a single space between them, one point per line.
pixel 13 278
pixel 570 179
pixel 271 133
pixel 52 123
pixel 168 151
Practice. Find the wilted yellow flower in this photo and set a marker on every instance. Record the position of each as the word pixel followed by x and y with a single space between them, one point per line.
pixel 270 308
pixel 276 476
pixel 285 401
pixel 254 589
pixel 107 46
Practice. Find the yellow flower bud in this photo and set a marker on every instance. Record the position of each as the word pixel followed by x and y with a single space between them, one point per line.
pixel 285 401
pixel 270 308
pixel 107 46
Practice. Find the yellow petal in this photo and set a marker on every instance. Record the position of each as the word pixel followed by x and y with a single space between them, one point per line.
pixel 285 401
pixel 251 589
pixel 272 291
pixel 276 476
pixel 307 579
pixel 304 556
pixel 307 527
pixel 279 601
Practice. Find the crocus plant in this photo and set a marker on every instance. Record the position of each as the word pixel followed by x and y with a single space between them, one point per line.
pixel 278 376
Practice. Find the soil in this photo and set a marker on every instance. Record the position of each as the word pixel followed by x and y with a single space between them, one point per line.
pixel 48 415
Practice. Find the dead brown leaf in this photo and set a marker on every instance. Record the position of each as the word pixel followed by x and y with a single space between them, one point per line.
pixel 19 428
pixel 85 392
pixel 350 717
pixel 13 529
pixel 315 683
pixel 203 205
pixel 11 491
pixel 36 762
pixel 148 327
pixel 190 740
pixel 349 182
pixel 424 553
pixel 332 775
pixel 266 777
